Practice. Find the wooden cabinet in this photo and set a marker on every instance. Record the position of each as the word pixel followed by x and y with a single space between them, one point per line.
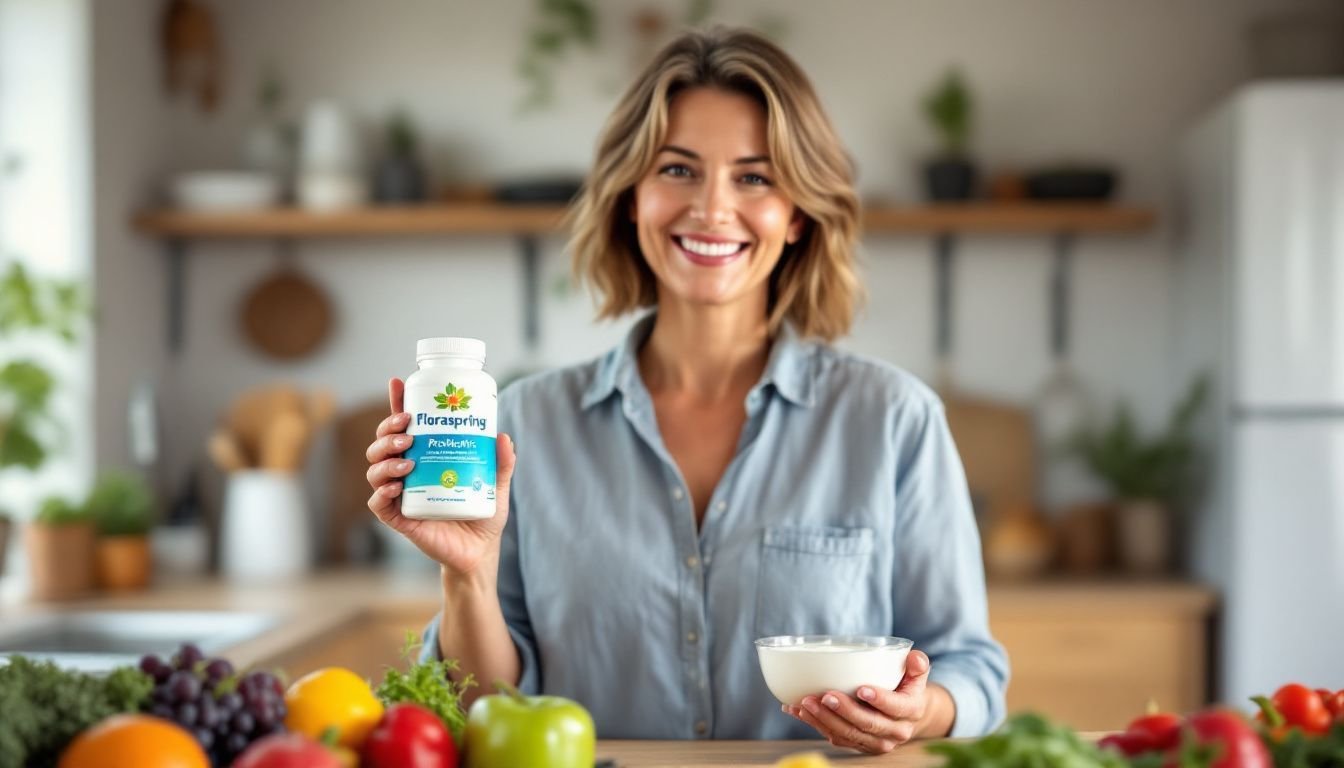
pixel 1094 655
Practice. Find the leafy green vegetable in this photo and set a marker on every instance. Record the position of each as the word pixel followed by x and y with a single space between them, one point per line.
pixel 1298 750
pixel 58 511
pixel 45 706
pixel 430 685
pixel 1027 741
pixel 121 505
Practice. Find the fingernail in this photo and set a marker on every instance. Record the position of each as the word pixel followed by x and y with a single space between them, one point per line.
pixel 391 489
pixel 401 441
pixel 404 465
pixel 866 694
pixel 830 701
pixel 810 704
pixel 784 708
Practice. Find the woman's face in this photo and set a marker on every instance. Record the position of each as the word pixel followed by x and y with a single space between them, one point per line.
pixel 712 224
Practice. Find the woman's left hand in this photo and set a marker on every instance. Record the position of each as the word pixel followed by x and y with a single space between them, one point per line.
pixel 876 722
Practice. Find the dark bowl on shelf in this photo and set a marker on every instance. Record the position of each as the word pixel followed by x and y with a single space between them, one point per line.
pixel 1071 184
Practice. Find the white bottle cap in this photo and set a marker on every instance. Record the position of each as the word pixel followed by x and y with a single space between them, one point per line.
pixel 450 346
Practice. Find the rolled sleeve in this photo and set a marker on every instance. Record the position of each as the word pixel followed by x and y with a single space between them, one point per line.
pixel 939 592
pixel 528 682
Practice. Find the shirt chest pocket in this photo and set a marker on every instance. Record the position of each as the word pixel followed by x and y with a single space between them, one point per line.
pixel 816 581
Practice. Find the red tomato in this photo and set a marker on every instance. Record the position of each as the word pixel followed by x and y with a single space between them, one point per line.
pixel 410 736
pixel 1161 729
pixel 1334 703
pixel 1302 707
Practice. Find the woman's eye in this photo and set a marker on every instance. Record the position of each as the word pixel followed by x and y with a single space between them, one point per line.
pixel 755 179
pixel 675 169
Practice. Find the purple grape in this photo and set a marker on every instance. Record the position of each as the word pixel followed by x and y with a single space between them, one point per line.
pixel 230 703
pixel 188 655
pixel 243 722
pixel 235 743
pixel 266 717
pixel 209 716
pixel 184 686
pixel 218 669
pixel 205 738
pixel 187 714
pixel 164 711
pixel 149 664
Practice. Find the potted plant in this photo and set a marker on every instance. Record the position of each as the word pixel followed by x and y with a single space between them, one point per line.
pixel 60 545
pixel 950 175
pixel 400 177
pixel 1146 476
pixel 122 509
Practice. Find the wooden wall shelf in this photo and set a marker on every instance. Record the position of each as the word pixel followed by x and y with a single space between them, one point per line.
pixel 489 218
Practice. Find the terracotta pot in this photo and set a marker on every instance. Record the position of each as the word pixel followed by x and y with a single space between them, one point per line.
pixel 124 562
pixel 1019 545
pixel 1086 539
pixel 60 560
pixel 1143 533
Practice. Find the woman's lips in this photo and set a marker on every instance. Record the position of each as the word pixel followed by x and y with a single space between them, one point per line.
pixel 707 260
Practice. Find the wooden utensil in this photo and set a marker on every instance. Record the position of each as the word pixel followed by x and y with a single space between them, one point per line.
pixel 225 451
pixel 251 414
pixel 283 442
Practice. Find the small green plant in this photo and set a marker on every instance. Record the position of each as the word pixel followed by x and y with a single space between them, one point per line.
pixel 31 305
pixel 121 504
pixel 560 24
pixel 56 510
pixel 1136 468
pixel 949 108
pixel 401 136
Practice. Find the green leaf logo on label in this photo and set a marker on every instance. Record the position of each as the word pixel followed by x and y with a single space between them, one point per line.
pixel 453 399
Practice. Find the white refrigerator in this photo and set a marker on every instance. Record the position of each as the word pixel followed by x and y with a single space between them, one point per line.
pixel 1259 303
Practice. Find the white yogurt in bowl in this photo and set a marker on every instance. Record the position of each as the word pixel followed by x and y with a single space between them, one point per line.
pixel 795 666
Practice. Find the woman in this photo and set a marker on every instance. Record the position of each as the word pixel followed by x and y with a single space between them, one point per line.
pixel 725 474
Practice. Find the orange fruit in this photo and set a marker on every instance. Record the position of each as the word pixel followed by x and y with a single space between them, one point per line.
pixel 332 696
pixel 138 740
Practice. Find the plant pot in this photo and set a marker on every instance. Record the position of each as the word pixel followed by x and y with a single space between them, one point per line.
pixel 1019 545
pixel 399 179
pixel 1143 536
pixel 124 563
pixel 1085 539
pixel 950 179
pixel 60 560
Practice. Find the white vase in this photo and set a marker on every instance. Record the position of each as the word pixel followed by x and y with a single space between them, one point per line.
pixel 265 534
pixel 1143 536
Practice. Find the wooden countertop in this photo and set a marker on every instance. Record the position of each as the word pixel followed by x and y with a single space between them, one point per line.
pixel 723 754
pixel 318 604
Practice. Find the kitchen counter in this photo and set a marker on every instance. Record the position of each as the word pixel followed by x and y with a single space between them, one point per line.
pixel 722 754
pixel 1138 640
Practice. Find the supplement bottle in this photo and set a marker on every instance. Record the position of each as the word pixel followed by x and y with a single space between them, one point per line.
pixel 452 401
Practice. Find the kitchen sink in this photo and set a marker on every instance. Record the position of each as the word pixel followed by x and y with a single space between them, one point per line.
pixel 100 640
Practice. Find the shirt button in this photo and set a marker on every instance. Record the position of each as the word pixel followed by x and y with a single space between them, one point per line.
pixel 701 727
pixel 677 493
pixel 692 561
pixel 722 505
pixel 691 637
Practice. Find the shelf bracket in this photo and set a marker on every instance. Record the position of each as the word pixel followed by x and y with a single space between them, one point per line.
pixel 175 252
pixel 944 254
pixel 1061 278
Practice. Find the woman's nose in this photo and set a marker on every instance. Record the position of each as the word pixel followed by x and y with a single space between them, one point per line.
pixel 714 204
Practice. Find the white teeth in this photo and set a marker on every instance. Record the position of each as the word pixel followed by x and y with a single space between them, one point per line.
pixel 701 248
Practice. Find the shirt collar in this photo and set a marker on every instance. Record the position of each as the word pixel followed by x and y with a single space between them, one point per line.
pixel 788 371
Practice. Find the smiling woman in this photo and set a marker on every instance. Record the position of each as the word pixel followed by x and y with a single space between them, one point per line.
pixel 727 474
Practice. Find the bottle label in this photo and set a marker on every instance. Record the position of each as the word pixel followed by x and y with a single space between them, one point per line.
pixel 453 450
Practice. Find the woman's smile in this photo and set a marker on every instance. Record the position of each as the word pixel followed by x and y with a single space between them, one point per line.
pixel 710 251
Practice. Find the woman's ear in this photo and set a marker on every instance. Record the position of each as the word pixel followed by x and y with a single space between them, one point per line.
pixel 796 226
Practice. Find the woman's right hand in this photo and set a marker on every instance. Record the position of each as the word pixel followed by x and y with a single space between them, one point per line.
pixel 461 546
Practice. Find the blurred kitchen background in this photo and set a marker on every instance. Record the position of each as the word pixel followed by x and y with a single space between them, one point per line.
pixel 225 224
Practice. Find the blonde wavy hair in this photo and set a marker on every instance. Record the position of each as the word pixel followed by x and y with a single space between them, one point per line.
pixel 815 286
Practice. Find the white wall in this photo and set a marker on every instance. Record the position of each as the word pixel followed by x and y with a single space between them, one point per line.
pixel 1055 80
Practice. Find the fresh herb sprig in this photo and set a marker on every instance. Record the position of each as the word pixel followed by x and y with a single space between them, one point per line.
pixel 1027 741
pixel 429 684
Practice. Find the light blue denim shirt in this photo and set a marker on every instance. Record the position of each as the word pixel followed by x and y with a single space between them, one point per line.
pixel 844 511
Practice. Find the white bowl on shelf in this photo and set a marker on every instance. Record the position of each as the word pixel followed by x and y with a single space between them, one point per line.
pixel 224 191
pixel 795 666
